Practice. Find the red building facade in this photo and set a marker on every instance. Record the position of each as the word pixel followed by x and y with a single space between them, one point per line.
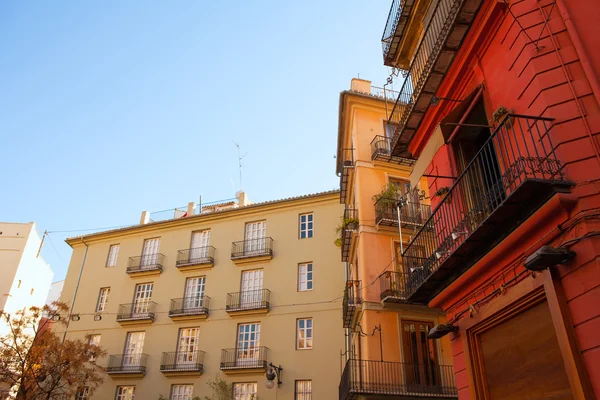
pixel 501 108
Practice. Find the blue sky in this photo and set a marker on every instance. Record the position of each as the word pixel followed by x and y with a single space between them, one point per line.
pixel 109 108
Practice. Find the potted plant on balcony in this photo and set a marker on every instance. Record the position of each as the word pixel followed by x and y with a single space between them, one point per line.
pixel 502 113
pixel 350 224
pixel 386 200
pixel 442 192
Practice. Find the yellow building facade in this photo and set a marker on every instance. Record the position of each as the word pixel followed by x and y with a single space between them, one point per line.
pixel 388 350
pixel 229 290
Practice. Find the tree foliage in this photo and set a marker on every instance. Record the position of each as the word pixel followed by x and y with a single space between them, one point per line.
pixel 221 389
pixel 37 364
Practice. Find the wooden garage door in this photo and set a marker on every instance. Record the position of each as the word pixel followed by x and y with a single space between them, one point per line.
pixel 522 360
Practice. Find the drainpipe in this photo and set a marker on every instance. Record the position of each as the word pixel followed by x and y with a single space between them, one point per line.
pixel 76 289
pixel 585 63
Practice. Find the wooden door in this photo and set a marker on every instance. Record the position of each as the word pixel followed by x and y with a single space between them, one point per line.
pixel 420 356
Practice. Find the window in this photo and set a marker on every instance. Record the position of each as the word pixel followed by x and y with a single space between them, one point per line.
pixel 306 226
pixel 252 283
pixel 187 347
pixel 199 245
pixel 194 293
pixel 304 335
pixel 303 390
pixel 82 393
pixel 305 277
pixel 133 349
pixel 102 299
pixel 113 252
pixel 150 253
pixel 244 391
pixel 125 392
pixel 93 340
pixel 142 297
pixel 248 343
pixel 182 392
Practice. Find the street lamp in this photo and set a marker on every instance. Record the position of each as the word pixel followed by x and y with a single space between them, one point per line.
pixel 272 373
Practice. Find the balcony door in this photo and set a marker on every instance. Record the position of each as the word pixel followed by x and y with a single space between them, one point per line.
pixel 194 292
pixel 187 346
pixel 248 343
pixel 199 245
pixel 252 284
pixel 254 239
pixel 134 344
pixel 420 357
pixel 142 298
pixel 150 252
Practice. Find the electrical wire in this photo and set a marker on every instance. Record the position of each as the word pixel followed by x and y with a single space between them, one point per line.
pixel 54 247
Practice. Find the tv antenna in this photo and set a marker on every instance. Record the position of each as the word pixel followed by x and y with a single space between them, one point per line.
pixel 240 160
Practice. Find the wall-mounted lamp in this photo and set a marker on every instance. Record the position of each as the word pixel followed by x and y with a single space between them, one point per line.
pixel 97 317
pixel 272 373
pixel 441 253
pixel 56 317
pixel 547 256
pixel 441 330
pixel 75 317
pixel 435 100
pixel 456 235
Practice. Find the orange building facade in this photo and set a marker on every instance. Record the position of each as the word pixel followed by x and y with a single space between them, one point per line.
pixel 500 109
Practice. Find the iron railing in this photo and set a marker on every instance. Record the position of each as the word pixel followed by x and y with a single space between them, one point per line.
pixel 195 256
pixel 127 363
pixel 141 310
pixel 192 305
pixel 392 286
pixel 363 377
pixel 182 361
pixel 411 214
pixel 381 149
pixel 252 248
pixel 350 225
pixel 427 53
pixel 394 27
pixel 347 164
pixel 518 150
pixel 246 357
pixel 351 301
pixel 147 262
pixel 248 300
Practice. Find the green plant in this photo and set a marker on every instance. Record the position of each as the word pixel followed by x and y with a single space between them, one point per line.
pixel 389 194
pixel 441 192
pixel 345 222
pixel 221 389
pixel 500 112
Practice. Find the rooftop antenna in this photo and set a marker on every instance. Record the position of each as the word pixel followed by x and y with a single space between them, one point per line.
pixel 240 160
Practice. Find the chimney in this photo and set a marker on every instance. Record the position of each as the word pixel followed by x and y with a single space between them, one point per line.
pixel 242 199
pixel 191 209
pixel 360 85
pixel 145 218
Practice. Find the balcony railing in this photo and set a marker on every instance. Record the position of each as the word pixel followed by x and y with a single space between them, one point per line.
pixel 350 302
pixel 394 28
pixel 248 300
pixel 392 287
pixel 195 256
pixel 188 306
pixel 182 361
pixel 139 311
pixel 411 214
pixel 445 31
pixel 246 357
pixel 127 364
pixel 381 150
pixel 513 174
pixel 347 164
pixel 362 378
pixel 349 226
pixel 145 263
pixel 260 247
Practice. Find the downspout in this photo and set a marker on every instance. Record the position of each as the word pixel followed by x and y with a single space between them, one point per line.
pixel 585 63
pixel 76 288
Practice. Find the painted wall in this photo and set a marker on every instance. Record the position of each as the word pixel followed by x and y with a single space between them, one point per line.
pixel 219 330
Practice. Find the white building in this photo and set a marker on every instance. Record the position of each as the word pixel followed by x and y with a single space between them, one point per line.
pixel 26 277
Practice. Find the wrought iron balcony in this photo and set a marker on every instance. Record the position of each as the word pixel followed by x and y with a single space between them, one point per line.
pixel 244 358
pixel 381 150
pixel 145 263
pixel 514 173
pixel 394 29
pixel 412 215
pixel 248 300
pixel 403 380
pixel 195 256
pixel 189 306
pixel 392 287
pixel 449 24
pixel 141 311
pixel 261 247
pixel 347 164
pixel 351 301
pixel 349 226
pixel 182 362
pixel 127 364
